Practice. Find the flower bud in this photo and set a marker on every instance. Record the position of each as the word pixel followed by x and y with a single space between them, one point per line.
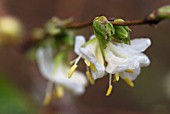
pixel 159 14
pixel 10 30
pixel 122 32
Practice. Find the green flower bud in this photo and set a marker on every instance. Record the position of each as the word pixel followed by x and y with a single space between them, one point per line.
pixel 104 31
pixel 159 14
pixel 121 32
pixel 51 26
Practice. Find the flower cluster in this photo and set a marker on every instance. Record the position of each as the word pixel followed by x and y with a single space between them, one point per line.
pixel 121 60
pixel 110 51
pixel 51 57
pixel 55 70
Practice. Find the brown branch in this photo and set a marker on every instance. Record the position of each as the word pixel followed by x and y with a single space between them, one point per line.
pixel 126 23
pixel 30 43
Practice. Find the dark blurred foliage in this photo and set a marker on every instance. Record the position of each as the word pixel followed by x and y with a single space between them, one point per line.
pixel 148 95
pixel 13 100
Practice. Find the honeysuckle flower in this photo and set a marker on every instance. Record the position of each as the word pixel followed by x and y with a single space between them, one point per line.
pixel 55 70
pixel 120 59
pixel 127 60
pixel 90 52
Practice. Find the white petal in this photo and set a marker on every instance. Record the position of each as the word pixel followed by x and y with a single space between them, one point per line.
pixel 92 36
pixel 59 75
pixel 139 45
pixel 79 41
pixel 76 83
pixel 98 74
pixel 131 76
pixel 114 63
pixel 120 59
pixel 45 63
pixel 100 69
pixel 92 45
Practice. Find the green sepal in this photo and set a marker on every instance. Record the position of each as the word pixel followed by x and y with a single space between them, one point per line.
pixel 88 42
pixel 59 58
pixel 121 32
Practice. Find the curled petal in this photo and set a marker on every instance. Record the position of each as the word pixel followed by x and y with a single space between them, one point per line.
pixel 121 58
pixel 79 41
pixel 131 76
pixel 138 45
pixel 100 69
pixel 58 74
pixel 76 83
pixel 92 36
pixel 45 62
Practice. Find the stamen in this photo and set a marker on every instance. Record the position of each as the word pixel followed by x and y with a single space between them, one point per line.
pixel 87 62
pixel 129 71
pixel 89 77
pixel 117 76
pixel 129 82
pixel 109 90
pixel 92 67
pixel 59 92
pixel 73 68
pixel 72 62
pixel 76 61
pixel 47 98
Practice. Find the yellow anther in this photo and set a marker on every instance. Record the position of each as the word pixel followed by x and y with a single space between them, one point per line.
pixel 71 62
pixel 129 82
pixel 87 62
pixel 117 76
pixel 129 71
pixel 47 99
pixel 92 67
pixel 109 90
pixel 89 77
pixel 59 92
pixel 73 68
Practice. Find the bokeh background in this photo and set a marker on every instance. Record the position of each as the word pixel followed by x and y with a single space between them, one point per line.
pixel 22 88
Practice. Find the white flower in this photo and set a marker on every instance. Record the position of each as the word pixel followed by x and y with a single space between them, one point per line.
pixel 127 60
pixel 90 52
pixel 58 73
pixel 120 59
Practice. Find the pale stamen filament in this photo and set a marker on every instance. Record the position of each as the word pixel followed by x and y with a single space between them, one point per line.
pixel 73 68
pixel 77 60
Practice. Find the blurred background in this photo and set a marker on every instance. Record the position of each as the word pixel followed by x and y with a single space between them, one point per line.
pixel 22 88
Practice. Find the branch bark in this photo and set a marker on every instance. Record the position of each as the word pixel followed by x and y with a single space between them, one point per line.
pixel 126 23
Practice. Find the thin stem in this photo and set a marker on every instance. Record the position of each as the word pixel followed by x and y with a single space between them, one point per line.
pixel 126 23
